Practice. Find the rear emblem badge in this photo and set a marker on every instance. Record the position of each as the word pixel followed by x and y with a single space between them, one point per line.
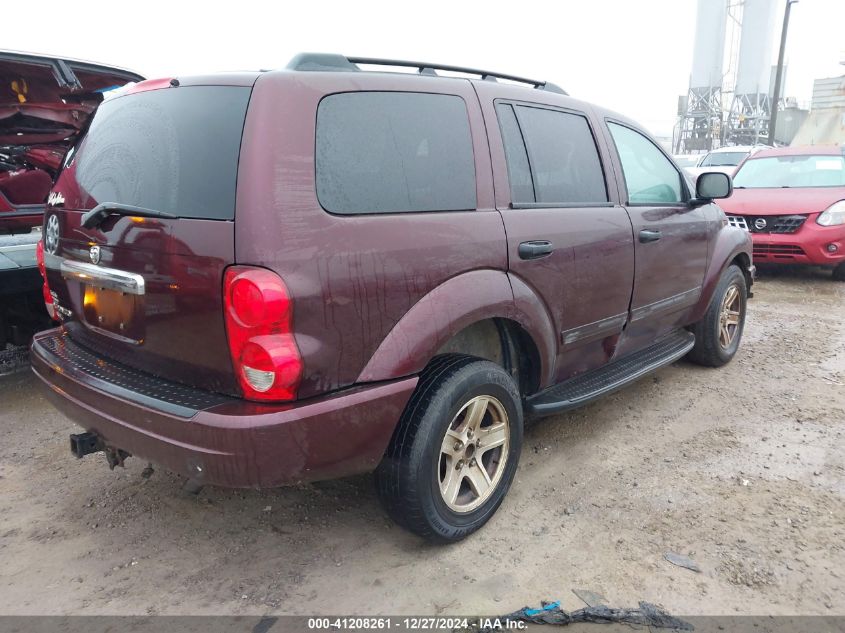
pixel 760 224
pixel 51 235
pixel 94 254
pixel 55 200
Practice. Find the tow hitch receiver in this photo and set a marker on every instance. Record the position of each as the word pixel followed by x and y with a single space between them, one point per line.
pixel 82 444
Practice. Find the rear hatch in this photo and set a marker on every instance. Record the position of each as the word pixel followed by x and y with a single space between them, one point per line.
pixel 142 284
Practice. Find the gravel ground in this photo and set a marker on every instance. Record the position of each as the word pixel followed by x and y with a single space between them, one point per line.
pixel 740 469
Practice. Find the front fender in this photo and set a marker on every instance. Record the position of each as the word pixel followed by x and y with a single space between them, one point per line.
pixel 442 313
pixel 730 242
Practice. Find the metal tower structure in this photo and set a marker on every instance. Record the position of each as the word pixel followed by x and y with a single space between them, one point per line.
pixel 700 124
pixel 750 111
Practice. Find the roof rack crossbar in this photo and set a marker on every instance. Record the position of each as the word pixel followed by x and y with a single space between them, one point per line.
pixel 327 62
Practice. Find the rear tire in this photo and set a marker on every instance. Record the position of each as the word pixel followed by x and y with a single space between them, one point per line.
pixel 719 332
pixel 455 450
pixel 839 272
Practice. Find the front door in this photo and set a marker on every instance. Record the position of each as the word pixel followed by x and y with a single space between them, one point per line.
pixel 670 237
pixel 567 239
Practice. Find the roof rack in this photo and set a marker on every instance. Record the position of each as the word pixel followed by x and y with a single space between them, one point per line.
pixel 333 62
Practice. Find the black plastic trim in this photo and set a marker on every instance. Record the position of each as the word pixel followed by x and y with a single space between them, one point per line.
pixel 596 329
pixel 334 62
pixel 669 304
pixel 561 205
pixel 105 375
pixel 591 385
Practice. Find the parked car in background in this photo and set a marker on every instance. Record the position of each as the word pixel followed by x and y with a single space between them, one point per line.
pixel 792 201
pixel 725 159
pixel 685 161
pixel 389 277
pixel 45 102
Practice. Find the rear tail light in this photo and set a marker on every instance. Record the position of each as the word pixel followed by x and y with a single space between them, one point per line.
pixel 45 289
pixel 258 323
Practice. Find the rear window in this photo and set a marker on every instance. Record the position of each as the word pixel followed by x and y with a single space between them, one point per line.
pixel 387 152
pixel 723 159
pixel 173 150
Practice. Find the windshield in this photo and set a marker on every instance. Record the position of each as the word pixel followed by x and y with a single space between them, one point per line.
pixel 173 150
pixel 792 171
pixel 723 159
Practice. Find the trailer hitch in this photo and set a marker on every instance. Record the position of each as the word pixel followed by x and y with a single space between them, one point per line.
pixel 82 444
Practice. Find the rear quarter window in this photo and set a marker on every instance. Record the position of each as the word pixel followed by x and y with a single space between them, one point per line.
pixel 388 152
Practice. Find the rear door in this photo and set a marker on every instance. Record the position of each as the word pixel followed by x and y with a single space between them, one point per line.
pixel 567 237
pixel 147 291
pixel 671 237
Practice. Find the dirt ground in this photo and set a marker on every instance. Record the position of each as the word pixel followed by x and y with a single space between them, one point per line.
pixel 741 469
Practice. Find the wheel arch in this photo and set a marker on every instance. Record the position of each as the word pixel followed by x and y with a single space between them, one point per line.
pixel 462 315
pixel 733 246
pixel 743 260
pixel 504 342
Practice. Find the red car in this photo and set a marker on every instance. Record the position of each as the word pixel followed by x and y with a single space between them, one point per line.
pixel 792 201
pixel 44 104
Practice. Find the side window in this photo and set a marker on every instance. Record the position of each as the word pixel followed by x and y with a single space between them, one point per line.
pixel 649 176
pixel 386 152
pixel 561 164
pixel 519 171
pixel 562 152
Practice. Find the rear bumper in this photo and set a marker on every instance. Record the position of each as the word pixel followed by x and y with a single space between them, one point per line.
pixel 809 245
pixel 234 443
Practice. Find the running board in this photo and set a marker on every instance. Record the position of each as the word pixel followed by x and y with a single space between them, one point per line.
pixel 586 387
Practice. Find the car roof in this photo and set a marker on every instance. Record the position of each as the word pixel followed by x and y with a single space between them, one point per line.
pixel 803 150
pixel 342 68
pixel 422 73
pixel 234 78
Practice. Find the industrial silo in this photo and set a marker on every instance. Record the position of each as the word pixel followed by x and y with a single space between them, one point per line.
pixel 748 121
pixel 701 113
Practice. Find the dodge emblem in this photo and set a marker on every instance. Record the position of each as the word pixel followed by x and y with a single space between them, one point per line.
pixel 94 254
pixel 760 224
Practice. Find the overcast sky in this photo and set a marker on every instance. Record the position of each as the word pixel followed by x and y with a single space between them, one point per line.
pixel 633 56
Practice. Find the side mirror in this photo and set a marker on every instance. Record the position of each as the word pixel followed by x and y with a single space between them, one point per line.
pixel 712 185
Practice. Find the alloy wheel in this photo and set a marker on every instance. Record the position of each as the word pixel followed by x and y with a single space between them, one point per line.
pixel 474 453
pixel 730 316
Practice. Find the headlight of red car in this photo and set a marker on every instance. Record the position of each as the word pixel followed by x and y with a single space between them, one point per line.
pixel 834 215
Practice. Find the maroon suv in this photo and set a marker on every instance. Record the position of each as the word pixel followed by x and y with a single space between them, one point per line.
pixel 267 278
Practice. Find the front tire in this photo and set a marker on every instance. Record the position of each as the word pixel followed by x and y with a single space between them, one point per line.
pixel 455 450
pixel 719 332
